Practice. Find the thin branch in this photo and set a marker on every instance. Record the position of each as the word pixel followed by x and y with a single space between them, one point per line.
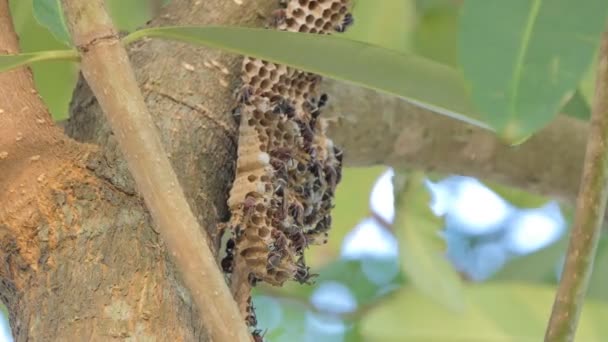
pixel 106 67
pixel 590 210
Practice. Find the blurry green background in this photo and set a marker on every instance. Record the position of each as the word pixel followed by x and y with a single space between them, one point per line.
pixel 399 282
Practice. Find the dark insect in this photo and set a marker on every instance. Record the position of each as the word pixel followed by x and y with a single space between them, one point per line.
pixel 248 207
pixel 303 275
pixel 297 212
pixel 281 153
pixel 339 154
pixel 306 131
pixel 326 197
pixel 238 231
pixel 311 151
pixel 236 113
pixel 316 110
pixel 227 263
pixel 258 335
pixel 323 225
pixel 299 241
pixel 245 94
pixel 309 219
pixel 331 177
pixel 230 244
pixel 251 319
pixel 277 18
pixel 274 260
pixel 346 22
pixel 280 213
pixel 280 168
pixel 228 260
pixel 253 280
pixel 284 107
pixel 280 240
pixel 279 190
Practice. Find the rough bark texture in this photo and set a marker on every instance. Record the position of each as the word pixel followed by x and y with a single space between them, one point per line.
pixel 81 259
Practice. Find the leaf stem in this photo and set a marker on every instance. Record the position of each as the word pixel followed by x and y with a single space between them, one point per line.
pixel 590 209
pixel 105 66
pixel 9 62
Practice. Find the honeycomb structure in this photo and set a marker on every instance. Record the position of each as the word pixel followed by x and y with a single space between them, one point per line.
pixel 287 168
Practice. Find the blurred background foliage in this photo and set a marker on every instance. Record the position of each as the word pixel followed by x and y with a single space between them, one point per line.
pixel 411 257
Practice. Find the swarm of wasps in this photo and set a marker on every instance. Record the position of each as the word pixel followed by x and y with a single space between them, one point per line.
pixel 287 168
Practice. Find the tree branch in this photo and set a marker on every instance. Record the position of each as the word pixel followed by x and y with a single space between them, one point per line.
pixel 590 209
pixel 106 67
pixel 374 128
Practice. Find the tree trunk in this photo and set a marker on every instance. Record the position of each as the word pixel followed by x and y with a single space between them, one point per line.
pixel 81 258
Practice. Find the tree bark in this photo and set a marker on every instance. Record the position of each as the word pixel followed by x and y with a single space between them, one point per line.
pixel 82 260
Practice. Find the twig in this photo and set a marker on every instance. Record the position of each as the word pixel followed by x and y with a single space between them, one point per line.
pixel 590 209
pixel 106 67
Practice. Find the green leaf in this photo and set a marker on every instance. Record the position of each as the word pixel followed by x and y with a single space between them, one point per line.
pixel 577 106
pixel 8 62
pixel 386 23
pixel 50 15
pixel 418 80
pixel 495 312
pixel 436 33
pixel 524 58
pixel 422 250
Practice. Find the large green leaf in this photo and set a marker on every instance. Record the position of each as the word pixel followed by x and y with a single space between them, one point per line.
pixel 386 23
pixel 422 250
pixel 525 58
pixel 8 62
pixel 421 81
pixel 50 15
pixel 495 312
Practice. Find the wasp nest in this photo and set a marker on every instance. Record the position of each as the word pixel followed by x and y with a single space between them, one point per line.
pixel 287 168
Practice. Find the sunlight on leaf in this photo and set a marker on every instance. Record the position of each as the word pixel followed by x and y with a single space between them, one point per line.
pixel 422 249
pixel 495 312
pixel 426 83
pixel 8 62
pixel 50 15
pixel 525 58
